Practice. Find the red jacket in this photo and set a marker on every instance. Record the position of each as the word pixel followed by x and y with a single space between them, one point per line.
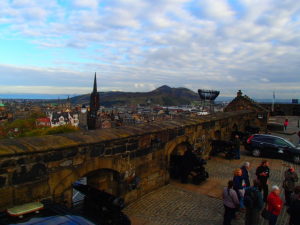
pixel 274 204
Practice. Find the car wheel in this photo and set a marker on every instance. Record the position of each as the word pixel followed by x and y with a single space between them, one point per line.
pixel 296 159
pixel 256 152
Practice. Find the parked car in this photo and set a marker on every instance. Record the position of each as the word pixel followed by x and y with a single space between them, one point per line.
pixel 272 146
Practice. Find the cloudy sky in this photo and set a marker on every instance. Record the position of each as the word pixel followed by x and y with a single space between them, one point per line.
pixel 55 46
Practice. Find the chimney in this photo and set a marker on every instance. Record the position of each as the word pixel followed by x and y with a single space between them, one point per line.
pixel 239 93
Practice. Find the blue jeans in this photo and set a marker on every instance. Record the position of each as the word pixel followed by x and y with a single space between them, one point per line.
pixel 273 219
pixel 242 206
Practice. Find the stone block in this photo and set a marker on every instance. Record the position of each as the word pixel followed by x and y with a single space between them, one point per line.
pixel 78 160
pixel 66 163
pixel 22 194
pixel 6 198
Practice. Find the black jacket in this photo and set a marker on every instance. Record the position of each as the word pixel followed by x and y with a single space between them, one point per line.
pixel 245 176
pixel 261 169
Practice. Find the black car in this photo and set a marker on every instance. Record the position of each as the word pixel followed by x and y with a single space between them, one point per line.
pixel 272 146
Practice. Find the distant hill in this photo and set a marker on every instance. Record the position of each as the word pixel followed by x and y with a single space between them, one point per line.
pixel 163 95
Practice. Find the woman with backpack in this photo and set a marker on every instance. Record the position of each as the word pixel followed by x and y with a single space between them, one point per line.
pixel 231 203
pixel 253 201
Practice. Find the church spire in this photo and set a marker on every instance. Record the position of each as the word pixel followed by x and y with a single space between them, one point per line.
pixel 95 84
pixel 93 118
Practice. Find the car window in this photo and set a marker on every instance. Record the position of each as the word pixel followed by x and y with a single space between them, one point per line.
pixel 281 142
pixel 265 140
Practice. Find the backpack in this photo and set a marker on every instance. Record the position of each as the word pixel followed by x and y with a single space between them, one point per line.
pixel 250 198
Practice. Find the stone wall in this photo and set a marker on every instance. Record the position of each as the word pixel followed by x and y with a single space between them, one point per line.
pixel 283 109
pixel 137 158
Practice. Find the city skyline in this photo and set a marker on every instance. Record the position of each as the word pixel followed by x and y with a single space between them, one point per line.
pixel 55 47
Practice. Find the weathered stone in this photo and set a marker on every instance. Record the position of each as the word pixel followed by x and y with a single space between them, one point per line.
pixel 98 150
pixel 6 197
pixel 55 156
pixel 66 163
pixel 2 181
pixel 8 163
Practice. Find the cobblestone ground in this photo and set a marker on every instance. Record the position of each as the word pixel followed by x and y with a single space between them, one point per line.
pixel 187 204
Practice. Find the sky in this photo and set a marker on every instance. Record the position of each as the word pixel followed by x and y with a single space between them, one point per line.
pixel 55 46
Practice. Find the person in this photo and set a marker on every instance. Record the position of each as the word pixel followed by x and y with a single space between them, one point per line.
pixel 237 145
pixel 238 186
pixel 245 174
pixel 285 124
pixel 289 183
pixel 299 136
pixel 274 204
pixel 294 208
pixel 253 201
pixel 263 174
pixel 230 201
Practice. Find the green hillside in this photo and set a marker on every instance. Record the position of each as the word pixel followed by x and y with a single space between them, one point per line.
pixel 163 95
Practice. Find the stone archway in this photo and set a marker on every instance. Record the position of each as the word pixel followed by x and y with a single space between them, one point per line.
pixel 61 181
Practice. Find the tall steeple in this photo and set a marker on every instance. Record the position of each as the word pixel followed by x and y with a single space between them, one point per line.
pixel 95 84
pixel 93 120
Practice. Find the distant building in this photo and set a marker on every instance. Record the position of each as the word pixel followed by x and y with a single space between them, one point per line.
pixel 93 120
pixel 43 122
pixel 64 118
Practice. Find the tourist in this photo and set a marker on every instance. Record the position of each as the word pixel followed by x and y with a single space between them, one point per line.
pixel 294 208
pixel 238 186
pixel 263 173
pixel 231 202
pixel 236 145
pixel 289 183
pixel 285 124
pixel 245 174
pixel 274 204
pixel 254 203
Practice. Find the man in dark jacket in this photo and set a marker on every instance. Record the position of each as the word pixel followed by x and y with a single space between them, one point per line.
pixel 263 173
pixel 254 203
pixel 245 174
pixel 294 208
pixel 289 183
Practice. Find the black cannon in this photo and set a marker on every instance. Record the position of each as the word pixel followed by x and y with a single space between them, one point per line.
pixel 188 166
pixel 102 207
pixel 198 173
pixel 226 147
pixel 221 146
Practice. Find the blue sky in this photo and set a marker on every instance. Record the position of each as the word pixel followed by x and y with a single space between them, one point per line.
pixel 55 46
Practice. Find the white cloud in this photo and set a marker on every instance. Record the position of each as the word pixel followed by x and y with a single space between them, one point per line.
pixel 142 44
pixel 86 3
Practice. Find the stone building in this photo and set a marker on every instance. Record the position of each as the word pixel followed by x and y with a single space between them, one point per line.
pixel 243 102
